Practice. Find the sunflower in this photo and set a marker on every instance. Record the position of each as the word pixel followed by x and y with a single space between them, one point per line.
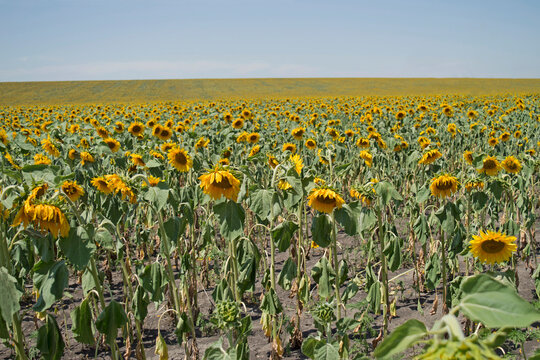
pixel 156 130
pixel 224 161
pixel 310 144
pixel 284 185
pixel 220 182
pixel 113 144
pixel 152 180
pixel 10 160
pixel 452 129
pixel 362 143
pixel 137 160
pixel 298 164
pixel 474 184
pixel 3 137
pixel 443 186
pixel 289 147
pixel 423 142
pixel 430 156
pixel 165 134
pixel 136 129
pixel 468 156
pixel 253 138
pixel 101 184
pixel 201 143
pixel 505 136
pixel 272 161
pixel 40 159
pixel 511 165
pixel 490 166
pixel 238 123
pixel 49 147
pixel 493 141
pixel 364 197
pixel 367 157
pixel 102 132
pixel 119 127
pixel 492 247
pixel 325 200
pixel 254 150
pixel 73 190
pixel 298 133
pixel 44 216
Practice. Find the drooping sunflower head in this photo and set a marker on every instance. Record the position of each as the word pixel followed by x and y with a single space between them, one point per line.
pixel 180 159
pixel 40 159
pixel 298 133
pixel 73 190
pixel 430 156
pixel 443 186
pixel 137 160
pixel 254 150
pixel 220 182
pixel 490 166
pixel 325 200
pixel 362 143
pixel 101 184
pixel 272 161
pixel 297 162
pixel 511 165
pixel 492 247
pixel 468 156
pixel 367 157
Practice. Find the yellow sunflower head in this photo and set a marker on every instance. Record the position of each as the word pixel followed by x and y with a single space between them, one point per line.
pixel 468 156
pixel 137 160
pixel 430 156
pixel 325 200
pixel 238 123
pixel 136 129
pixel 298 133
pixel 180 159
pixel 492 247
pixel 511 165
pixel 311 144
pixel 490 166
pixel 297 162
pixel 220 182
pixel 443 186
pixel 73 190
pixel 289 147
pixel 113 144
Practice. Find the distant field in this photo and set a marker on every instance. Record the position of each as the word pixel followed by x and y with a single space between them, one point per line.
pixel 66 92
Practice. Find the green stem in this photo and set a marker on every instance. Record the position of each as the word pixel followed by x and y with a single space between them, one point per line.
pixel 443 261
pixel 335 261
pixel 384 273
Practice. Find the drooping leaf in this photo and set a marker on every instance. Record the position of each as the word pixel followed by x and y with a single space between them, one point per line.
pixel 321 230
pixel 110 320
pixel 231 216
pixel 49 340
pixel 81 319
pixel 400 339
pixel 53 279
pixel 9 304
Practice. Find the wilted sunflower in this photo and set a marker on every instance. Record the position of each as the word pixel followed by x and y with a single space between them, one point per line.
pixel 284 185
pixel 362 143
pixel 113 144
pixel 364 197
pixel 298 163
pixel 201 143
pixel 272 161
pixel 492 247
pixel 430 156
pixel 493 141
pixel 474 184
pixel 289 147
pixel 73 190
pixel 254 150
pixel 325 200
pixel 443 186
pixel 220 182
pixel 505 136
pixel 46 217
pixel 40 159
pixel 180 159
pixel 152 180
pixel 511 165
pixel 49 147
pixel 367 157
pixel 137 160
pixel 468 156
pixel 101 184
pixel 490 166
pixel 136 129
pixel 298 133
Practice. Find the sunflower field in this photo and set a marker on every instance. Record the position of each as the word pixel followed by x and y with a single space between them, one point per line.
pixel 322 228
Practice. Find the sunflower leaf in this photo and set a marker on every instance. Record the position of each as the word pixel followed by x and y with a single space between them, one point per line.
pixel 495 304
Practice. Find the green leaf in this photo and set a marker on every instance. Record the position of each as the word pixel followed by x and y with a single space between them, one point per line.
pixel 261 203
pixel 53 279
pixel 326 351
pixel 387 192
pixel 423 195
pixel 105 239
pixel 495 304
pixel 323 274
pixel 158 195
pixel 308 347
pixel 153 280
pixel 283 233
pixel 81 319
pixel 287 274
pixel 367 219
pixel 49 340
pixel 231 218
pixel 140 303
pixel 348 216
pixel 479 199
pixel 110 320
pixel 10 295
pixel 321 229
pixel 77 247
pixel 400 339
pixel 271 303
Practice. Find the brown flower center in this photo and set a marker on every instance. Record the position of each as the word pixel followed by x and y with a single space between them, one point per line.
pixel 326 200
pixel 180 158
pixel 223 184
pixel 489 164
pixel 493 246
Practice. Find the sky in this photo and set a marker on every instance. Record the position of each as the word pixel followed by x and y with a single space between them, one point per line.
pixel 53 40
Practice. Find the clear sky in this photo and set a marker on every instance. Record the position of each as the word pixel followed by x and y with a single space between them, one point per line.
pixel 161 39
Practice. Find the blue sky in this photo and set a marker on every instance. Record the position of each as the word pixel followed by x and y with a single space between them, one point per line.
pixel 161 39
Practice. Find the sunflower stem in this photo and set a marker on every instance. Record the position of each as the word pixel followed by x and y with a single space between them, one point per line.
pixel 336 269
